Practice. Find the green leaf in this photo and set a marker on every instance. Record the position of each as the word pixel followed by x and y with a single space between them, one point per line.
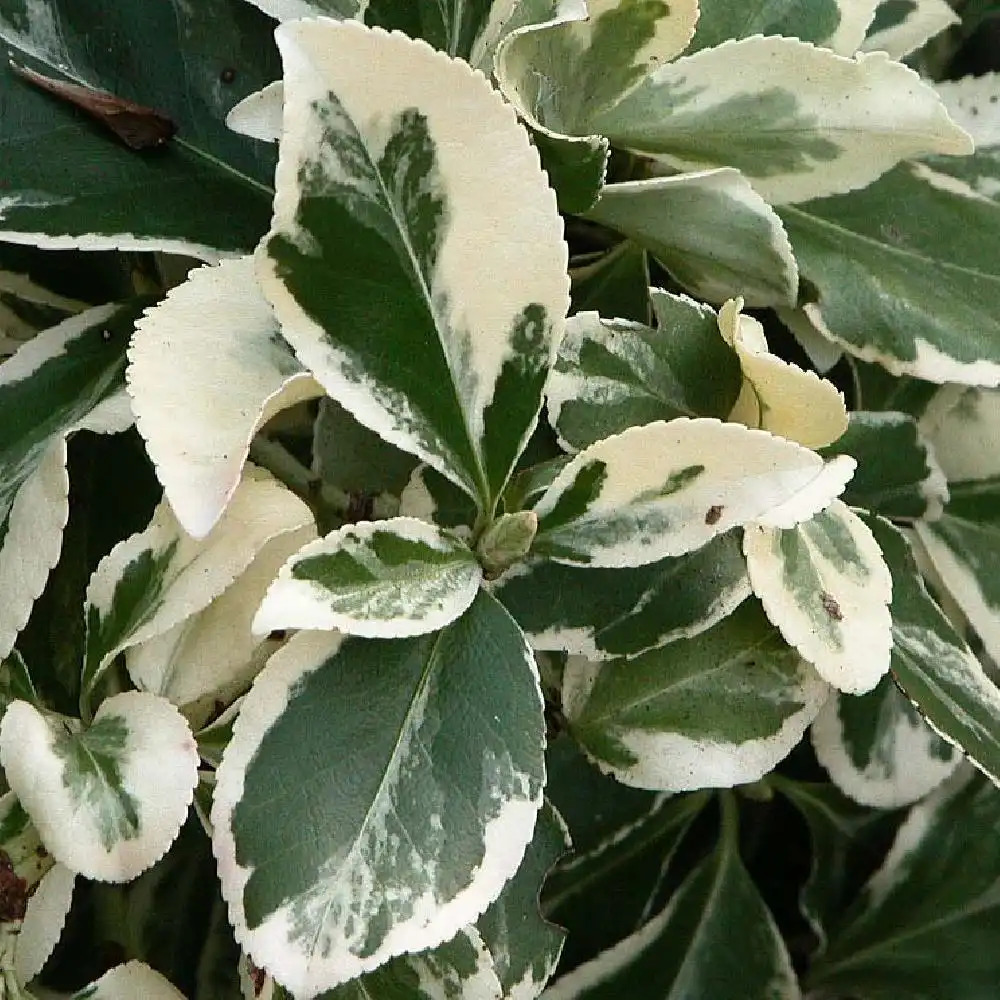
pixel 128 981
pixel 926 923
pixel 878 749
pixel 561 75
pixel 169 199
pixel 667 488
pixel 710 230
pixel 354 459
pixel 616 285
pixel 88 790
pixel 614 374
pixel 932 664
pixel 423 784
pixel 379 181
pixel 845 838
pixel 605 613
pixel 836 129
pixel 161 577
pixel 716 938
pixel 524 945
pixel 898 476
pixel 464 28
pixel 432 498
pixel 903 26
pixel 839 25
pixel 719 709
pixel 887 289
pixel 381 579
pixel 608 892
pixel 575 167
pixel 208 367
pixel 66 378
pixel 826 587
pixel 208 658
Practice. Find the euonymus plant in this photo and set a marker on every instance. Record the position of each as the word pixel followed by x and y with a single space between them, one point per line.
pixel 506 500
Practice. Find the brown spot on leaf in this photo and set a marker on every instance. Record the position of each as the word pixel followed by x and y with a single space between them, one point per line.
pixel 714 513
pixel 831 607
pixel 259 978
pixel 13 891
pixel 228 75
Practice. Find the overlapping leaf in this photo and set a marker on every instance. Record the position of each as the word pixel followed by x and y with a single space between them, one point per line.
pixel 667 488
pixel 207 367
pixel 716 937
pixel 88 789
pixel 357 197
pixel 933 665
pixel 213 655
pixel 64 377
pixel 715 710
pixel 615 284
pixel 778 396
pixel 606 893
pixel 422 788
pixel 160 577
pixel 878 749
pixel 839 25
pixel 888 290
pixel 902 28
pixel 925 924
pixel 128 981
pixel 898 475
pixel 611 375
pixel 688 223
pixel 826 587
pixel 381 579
pixel 167 200
pixel 606 613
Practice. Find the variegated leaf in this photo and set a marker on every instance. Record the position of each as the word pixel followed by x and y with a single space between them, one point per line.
pixel 906 275
pixel 378 180
pixel 902 28
pixel 129 981
pixel 605 893
pixel 612 374
pixel 838 129
pixel 160 577
pixel 823 354
pixel 839 25
pixel 44 919
pixel 606 613
pixel 898 474
pixel 88 789
pixel 207 367
pixel 778 396
pixel 560 76
pixel 687 223
pixel 424 782
pixel 924 924
pixel 213 655
pixel 666 488
pixel 47 389
pixel 436 500
pixel 381 579
pixel 716 710
pixel 878 750
pixel 459 969
pixel 825 585
pixel 933 665
pixel 287 10
pixel 715 938
pixel 962 424
pixel 525 947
